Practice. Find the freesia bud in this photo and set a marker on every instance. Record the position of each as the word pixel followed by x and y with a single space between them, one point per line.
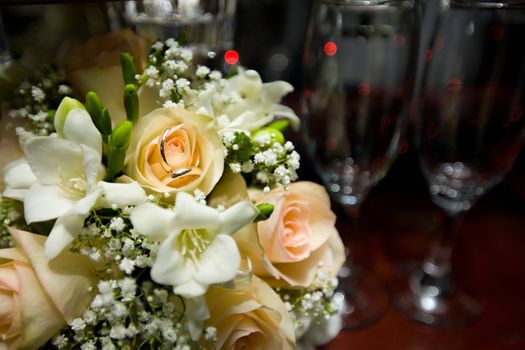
pixel 265 210
pixel 66 106
pixel 99 114
pixel 131 103
pixel 128 68
pixel 117 145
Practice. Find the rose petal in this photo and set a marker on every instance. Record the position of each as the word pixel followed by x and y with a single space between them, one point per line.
pixel 66 279
pixel 44 320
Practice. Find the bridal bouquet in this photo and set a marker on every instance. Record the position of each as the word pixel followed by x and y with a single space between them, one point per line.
pixel 152 203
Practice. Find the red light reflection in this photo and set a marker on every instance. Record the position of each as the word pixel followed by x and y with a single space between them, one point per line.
pixel 364 89
pixel 454 85
pixel 330 48
pixel 231 57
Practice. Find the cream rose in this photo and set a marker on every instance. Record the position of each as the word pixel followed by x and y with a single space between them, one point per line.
pixel 95 66
pixel 298 239
pixel 250 317
pixel 38 297
pixel 174 150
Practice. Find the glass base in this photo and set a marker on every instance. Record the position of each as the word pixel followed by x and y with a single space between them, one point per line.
pixel 432 306
pixel 363 297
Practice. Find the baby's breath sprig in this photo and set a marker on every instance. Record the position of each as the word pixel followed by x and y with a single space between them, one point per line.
pixel 313 304
pixel 171 69
pixel 11 215
pixel 264 156
pixel 36 99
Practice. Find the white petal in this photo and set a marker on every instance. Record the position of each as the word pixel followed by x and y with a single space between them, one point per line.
pixel 286 112
pixel 53 159
pixel 18 175
pixel 220 262
pixel 274 91
pixel 14 194
pixel 196 313
pixel 92 165
pixel 121 194
pixel 63 233
pixel 152 221
pixel 42 203
pixel 85 204
pixel 236 217
pixel 191 289
pixel 79 128
pixel 170 267
pixel 190 214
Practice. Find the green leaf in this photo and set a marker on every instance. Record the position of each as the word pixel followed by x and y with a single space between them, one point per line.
pixel 128 68
pixel 246 148
pixel 131 103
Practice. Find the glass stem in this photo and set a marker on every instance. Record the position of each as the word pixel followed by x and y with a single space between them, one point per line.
pixel 435 277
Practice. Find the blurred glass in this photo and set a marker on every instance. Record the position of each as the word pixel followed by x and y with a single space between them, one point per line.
pixel 472 127
pixel 359 62
pixel 205 25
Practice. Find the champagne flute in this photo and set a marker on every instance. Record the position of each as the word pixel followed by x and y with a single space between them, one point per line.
pixel 358 67
pixel 472 127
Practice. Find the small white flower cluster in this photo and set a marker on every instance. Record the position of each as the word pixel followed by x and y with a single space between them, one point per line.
pixel 271 162
pixel 128 316
pixel 313 304
pixel 11 215
pixel 35 100
pixel 172 71
pixel 114 242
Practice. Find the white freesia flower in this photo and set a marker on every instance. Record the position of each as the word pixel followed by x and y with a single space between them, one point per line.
pixel 247 102
pixel 197 248
pixel 60 179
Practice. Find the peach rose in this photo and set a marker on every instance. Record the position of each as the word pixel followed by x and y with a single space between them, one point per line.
pixel 297 240
pixel 249 317
pixel 95 66
pixel 175 150
pixel 38 297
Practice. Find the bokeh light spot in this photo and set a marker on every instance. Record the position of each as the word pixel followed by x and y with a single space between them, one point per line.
pixel 330 48
pixel 231 57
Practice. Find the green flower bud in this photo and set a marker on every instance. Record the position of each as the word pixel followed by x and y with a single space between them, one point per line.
pixel 99 114
pixel 128 68
pixel 121 135
pixel 66 106
pixel 117 145
pixel 265 210
pixel 131 103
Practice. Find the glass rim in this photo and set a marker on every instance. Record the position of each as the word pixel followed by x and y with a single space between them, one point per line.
pixel 364 3
pixel 488 4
